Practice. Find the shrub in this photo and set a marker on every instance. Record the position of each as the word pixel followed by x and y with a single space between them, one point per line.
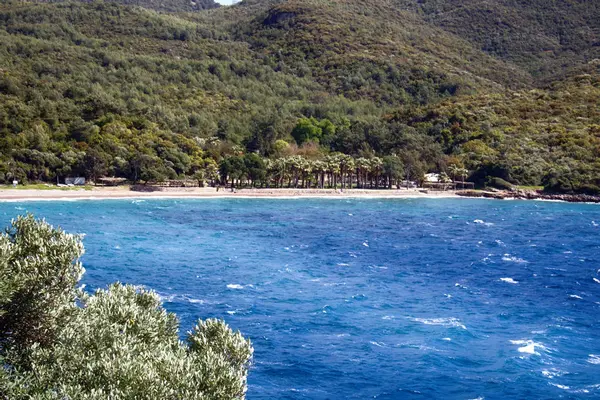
pixel 590 189
pixel 499 183
pixel 58 342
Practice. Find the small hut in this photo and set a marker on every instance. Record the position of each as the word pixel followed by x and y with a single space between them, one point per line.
pixel 111 181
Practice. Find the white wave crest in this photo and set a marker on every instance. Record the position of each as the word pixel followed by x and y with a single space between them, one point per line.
pixel 234 286
pixel 563 387
pixel 574 296
pixel 529 346
pixel 449 322
pixel 509 258
pixel 594 359
pixel 166 298
pixel 553 373
pixel 509 280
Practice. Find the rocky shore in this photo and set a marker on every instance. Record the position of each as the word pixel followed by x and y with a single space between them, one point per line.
pixel 530 195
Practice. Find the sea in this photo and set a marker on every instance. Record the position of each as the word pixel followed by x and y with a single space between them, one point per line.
pixel 367 298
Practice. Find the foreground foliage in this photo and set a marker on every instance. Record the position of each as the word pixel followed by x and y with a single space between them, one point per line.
pixel 57 342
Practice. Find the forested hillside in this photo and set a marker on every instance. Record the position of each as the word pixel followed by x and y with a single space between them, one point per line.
pixel 544 37
pixel 102 89
pixel 158 5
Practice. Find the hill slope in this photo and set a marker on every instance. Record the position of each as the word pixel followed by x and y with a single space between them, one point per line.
pixel 158 5
pixel 547 136
pixel 543 37
pixel 104 89
pixel 366 48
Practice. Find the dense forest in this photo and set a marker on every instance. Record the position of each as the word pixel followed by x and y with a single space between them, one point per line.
pixel 299 92
pixel 158 5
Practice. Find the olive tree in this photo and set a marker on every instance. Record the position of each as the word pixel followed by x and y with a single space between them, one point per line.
pixel 58 342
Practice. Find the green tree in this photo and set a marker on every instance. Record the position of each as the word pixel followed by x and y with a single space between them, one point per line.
pixel 148 168
pixel 232 168
pixel 255 167
pixel 57 342
pixel 413 166
pixel 311 129
pixel 95 164
pixel 363 168
pixel 457 171
pixel 393 169
pixel 281 148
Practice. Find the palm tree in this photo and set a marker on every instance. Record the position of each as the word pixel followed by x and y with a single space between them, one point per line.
pixel 346 166
pixel 376 168
pixel 306 169
pixel 212 171
pixel 333 167
pixel 455 171
pixel 320 168
pixel 296 163
pixel 363 167
pixel 279 171
pixel 463 173
pixel 269 171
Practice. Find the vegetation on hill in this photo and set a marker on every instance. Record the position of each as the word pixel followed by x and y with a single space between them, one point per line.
pixel 158 5
pixel 103 89
pixel 548 136
pixel 57 342
pixel 543 37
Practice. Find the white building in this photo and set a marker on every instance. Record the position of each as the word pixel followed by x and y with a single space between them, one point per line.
pixel 432 178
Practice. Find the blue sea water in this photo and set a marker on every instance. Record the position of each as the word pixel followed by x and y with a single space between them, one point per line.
pixel 368 298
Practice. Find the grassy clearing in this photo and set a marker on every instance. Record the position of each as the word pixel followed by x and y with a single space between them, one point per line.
pixel 530 187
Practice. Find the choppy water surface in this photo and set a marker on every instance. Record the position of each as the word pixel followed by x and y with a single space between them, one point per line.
pixel 387 299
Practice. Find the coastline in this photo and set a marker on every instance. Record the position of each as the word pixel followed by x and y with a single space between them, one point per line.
pixel 125 193
pixel 531 195
pixel 115 193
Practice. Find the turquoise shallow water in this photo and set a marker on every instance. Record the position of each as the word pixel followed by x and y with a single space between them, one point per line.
pixel 386 299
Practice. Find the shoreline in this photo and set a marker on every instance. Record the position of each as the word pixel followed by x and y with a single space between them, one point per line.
pixel 116 193
pixel 531 195
pixel 125 193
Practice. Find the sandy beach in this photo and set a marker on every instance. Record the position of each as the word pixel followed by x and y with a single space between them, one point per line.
pixel 123 192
